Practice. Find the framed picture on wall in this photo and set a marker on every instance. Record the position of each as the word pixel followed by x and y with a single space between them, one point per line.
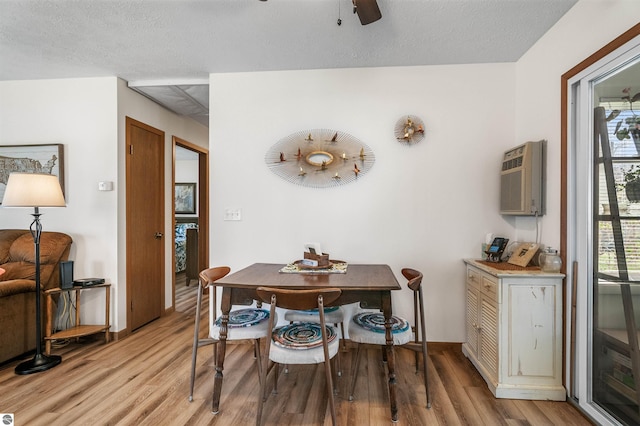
pixel 47 159
pixel 185 198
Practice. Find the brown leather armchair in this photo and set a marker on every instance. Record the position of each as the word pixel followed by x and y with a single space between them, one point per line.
pixel 18 286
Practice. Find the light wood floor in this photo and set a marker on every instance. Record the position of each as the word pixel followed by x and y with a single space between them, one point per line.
pixel 144 380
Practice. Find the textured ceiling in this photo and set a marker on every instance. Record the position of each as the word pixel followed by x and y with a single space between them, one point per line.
pixel 162 41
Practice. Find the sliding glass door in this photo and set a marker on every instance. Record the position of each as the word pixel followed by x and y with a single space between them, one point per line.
pixel 604 237
pixel 616 243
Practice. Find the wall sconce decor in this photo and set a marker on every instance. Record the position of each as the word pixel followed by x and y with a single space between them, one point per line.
pixel 320 158
pixel 409 129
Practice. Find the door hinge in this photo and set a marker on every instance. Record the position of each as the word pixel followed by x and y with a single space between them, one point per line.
pixel 131 149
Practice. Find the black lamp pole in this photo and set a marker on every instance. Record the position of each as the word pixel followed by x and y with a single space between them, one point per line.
pixel 39 362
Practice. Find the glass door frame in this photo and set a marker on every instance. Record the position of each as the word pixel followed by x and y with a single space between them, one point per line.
pixel 576 212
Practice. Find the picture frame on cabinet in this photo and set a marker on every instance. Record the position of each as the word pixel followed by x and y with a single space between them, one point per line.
pixel 523 254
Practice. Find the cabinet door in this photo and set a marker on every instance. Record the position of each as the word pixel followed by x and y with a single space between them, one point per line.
pixel 533 338
pixel 473 300
pixel 488 344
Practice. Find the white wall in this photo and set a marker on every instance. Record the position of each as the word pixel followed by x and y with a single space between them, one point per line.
pixel 425 206
pixel 87 116
pixel 80 114
pixel 586 28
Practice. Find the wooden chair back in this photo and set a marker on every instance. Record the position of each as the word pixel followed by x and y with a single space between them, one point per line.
pixel 414 277
pixel 210 275
pixel 299 299
pixel 415 284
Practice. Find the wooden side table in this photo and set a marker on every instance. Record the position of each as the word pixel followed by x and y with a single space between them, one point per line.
pixel 78 330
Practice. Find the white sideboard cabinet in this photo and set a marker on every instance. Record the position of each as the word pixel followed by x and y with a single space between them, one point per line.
pixel 514 330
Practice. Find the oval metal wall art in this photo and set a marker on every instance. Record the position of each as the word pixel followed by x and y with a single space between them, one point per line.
pixel 320 158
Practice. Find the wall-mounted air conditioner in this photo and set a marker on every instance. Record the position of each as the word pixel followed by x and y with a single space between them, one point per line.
pixel 522 180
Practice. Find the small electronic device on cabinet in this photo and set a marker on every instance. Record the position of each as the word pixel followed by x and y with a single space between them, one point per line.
pixel 495 250
pixel 66 274
pixel 88 282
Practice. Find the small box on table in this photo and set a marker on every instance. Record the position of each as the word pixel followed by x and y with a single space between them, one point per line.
pixel 322 259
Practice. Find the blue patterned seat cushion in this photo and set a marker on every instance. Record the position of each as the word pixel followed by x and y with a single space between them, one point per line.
pixel 245 317
pixel 303 335
pixel 374 321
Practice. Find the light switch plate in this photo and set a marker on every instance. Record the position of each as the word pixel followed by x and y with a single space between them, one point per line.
pixel 105 186
pixel 233 214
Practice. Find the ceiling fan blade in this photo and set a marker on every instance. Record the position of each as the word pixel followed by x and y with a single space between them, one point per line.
pixel 367 10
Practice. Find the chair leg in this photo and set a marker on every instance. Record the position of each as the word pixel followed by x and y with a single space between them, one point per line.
pixel 416 354
pixel 424 366
pixel 344 342
pixel 196 338
pixel 354 375
pixel 256 354
pixel 332 405
pixel 261 396
pixel 334 374
pixel 338 365
pixel 263 371
pixel 276 375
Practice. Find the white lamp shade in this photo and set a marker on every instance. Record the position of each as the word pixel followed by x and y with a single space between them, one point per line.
pixel 33 190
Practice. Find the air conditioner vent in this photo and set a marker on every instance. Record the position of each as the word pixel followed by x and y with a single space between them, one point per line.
pixel 512 164
pixel 522 180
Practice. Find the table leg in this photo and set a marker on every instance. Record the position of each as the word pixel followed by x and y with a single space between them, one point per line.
pixel 225 306
pixel 391 360
pixel 107 333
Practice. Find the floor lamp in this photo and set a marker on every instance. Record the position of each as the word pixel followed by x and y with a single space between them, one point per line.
pixel 35 190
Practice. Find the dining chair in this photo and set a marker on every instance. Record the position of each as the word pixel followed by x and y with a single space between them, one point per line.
pixel 333 315
pixel 244 324
pixel 368 327
pixel 300 342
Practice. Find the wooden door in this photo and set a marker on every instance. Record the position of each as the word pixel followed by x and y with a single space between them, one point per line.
pixel 145 223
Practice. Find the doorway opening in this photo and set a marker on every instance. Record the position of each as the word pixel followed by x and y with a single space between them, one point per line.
pixel 190 181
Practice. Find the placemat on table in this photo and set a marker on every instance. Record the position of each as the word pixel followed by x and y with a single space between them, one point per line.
pixel 336 267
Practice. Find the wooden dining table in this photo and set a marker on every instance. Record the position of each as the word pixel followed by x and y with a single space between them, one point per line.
pixel 368 284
